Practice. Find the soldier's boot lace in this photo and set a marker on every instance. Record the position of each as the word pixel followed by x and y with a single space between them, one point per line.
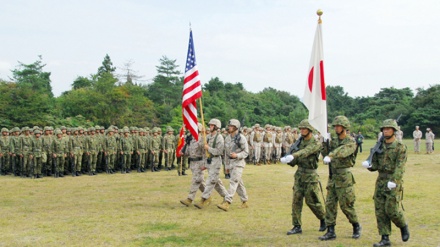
pixel 329 235
pixel 384 241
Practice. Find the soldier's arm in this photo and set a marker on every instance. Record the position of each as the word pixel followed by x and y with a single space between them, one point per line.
pixel 245 149
pixel 400 164
pixel 219 146
pixel 312 148
pixel 343 151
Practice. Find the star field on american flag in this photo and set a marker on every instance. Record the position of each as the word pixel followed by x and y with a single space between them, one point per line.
pixel 191 57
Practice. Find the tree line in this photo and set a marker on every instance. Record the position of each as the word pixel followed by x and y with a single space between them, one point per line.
pixel 107 98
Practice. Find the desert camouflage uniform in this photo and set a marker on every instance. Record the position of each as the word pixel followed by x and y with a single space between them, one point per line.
pixel 417 135
pixel 195 151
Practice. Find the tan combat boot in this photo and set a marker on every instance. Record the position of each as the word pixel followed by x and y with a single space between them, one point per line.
pixel 186 202
pixel 244 205
pixel 203 203
pixel 224 205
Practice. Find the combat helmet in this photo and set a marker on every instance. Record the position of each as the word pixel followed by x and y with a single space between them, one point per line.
pixel 391 123
pixel 170 129
pixel 304 124
pixel 58 132
pixel 341 120
pixel 37 131
pixel 5 130
pixel 215 122
pixel 234 122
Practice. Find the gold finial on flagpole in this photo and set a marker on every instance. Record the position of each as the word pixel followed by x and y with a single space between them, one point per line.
pixel 319 12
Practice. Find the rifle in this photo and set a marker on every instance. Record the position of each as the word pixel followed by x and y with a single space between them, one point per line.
pixel 376 149
pixel 294 148
pixel 330 173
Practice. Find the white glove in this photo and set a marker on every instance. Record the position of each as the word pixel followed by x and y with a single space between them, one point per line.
pixel 287 159
pixel 366 164
pixel 391 185
pixel 327 159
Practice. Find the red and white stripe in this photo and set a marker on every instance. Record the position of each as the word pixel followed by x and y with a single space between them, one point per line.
pixel 192 90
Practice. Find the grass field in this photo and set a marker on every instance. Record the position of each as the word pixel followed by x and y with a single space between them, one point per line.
pixel 144 210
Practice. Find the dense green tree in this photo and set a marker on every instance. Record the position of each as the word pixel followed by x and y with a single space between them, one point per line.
pixel 107 66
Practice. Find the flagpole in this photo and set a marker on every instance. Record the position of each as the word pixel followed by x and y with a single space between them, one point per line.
pixel 319 12
pixel 203 124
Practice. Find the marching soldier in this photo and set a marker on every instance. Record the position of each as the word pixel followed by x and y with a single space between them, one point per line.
pixel 195 152
pixel 307 184
pixel 236 150
pixel 389 184
pixel 340 155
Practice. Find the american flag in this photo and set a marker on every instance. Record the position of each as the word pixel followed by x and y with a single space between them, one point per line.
pixel 192 90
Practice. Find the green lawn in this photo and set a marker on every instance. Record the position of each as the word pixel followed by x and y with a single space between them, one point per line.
pixel 144 210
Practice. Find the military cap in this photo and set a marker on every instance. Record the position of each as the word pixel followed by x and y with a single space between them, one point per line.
pixel 390 123
pixel 63 128
pixel 304 124
pixel 5 130
pixel 342 121
pixel 37 131
pixel 169 129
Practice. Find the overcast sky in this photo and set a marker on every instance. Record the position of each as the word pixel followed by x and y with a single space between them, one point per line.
pixel 368 45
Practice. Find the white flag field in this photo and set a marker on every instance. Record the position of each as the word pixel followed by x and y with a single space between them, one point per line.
pixel 315 98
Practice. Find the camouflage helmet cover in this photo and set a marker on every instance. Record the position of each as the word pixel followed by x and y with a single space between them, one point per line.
pixel 58 132
pixel 391 123
pixel 304 124
pixel 5 130
pixel 170 129
pixel 341 120
pixel 234 122
pixel 215 122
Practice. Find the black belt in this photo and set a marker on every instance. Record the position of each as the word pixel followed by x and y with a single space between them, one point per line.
pixel 196 159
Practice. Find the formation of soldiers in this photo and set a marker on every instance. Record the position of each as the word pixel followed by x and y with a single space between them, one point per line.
pixel 36 152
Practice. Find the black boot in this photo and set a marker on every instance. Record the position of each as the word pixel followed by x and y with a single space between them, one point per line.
pixel 61 174
pixel 329 235
pixel 78 174
pixel 178 173
pixel 295 230
pixel 384 241
pixel 183 173
pixel 404 231
pixel 322 225
pixel 356 231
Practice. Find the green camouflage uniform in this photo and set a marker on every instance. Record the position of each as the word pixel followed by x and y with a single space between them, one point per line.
pixel 169 147
pixel 60 147
pixel 111 147
pixel 26 145
pixel 155 149
pixel 340 185
pixel 391 166
pixel 93 145
pixel 126 149
pixel 306 181
pixel 37 150
pixel 76 149
pixel 5 149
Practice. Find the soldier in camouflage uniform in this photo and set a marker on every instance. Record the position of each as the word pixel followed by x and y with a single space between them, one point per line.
pixel 142 150
pixel 307 184
pixel 267 144
pixel 60 149
pixel 340 156
pixel 5 150
pixel 389 184
pixel 126 150
pixel 236 150
pixel 278 142
pixel 93 145
pixel 215 147
pixel 417 135
pixel 256 140
pixel 169 147
pixel 26 145
pixel 155 149
pixel 76 152
pixel 110 150
pixel 15 151
pixel 195 151
pixel 47 151
pixel 37 154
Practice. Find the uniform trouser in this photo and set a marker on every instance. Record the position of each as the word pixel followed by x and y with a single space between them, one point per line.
pixel 181 163
pixel 142 158
pixel 78 160
pixel 257 151
pixel 48 162
pixel 5 159
pixel 111 159
pixel 277 150
pixel 100 162
pixel 59 163
pixel 309 191
pixel 214 181
pixel 387 207
pixel 126 162
pixel 429 147
pixel 417 146
pixel 169 157
pixel 236 184
pixel 37 166
pixel 93 160
pixel 155 158
pixel 25 169
pixel 198 179
pixel 346 198
pixel 251 154
pixel 267 151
